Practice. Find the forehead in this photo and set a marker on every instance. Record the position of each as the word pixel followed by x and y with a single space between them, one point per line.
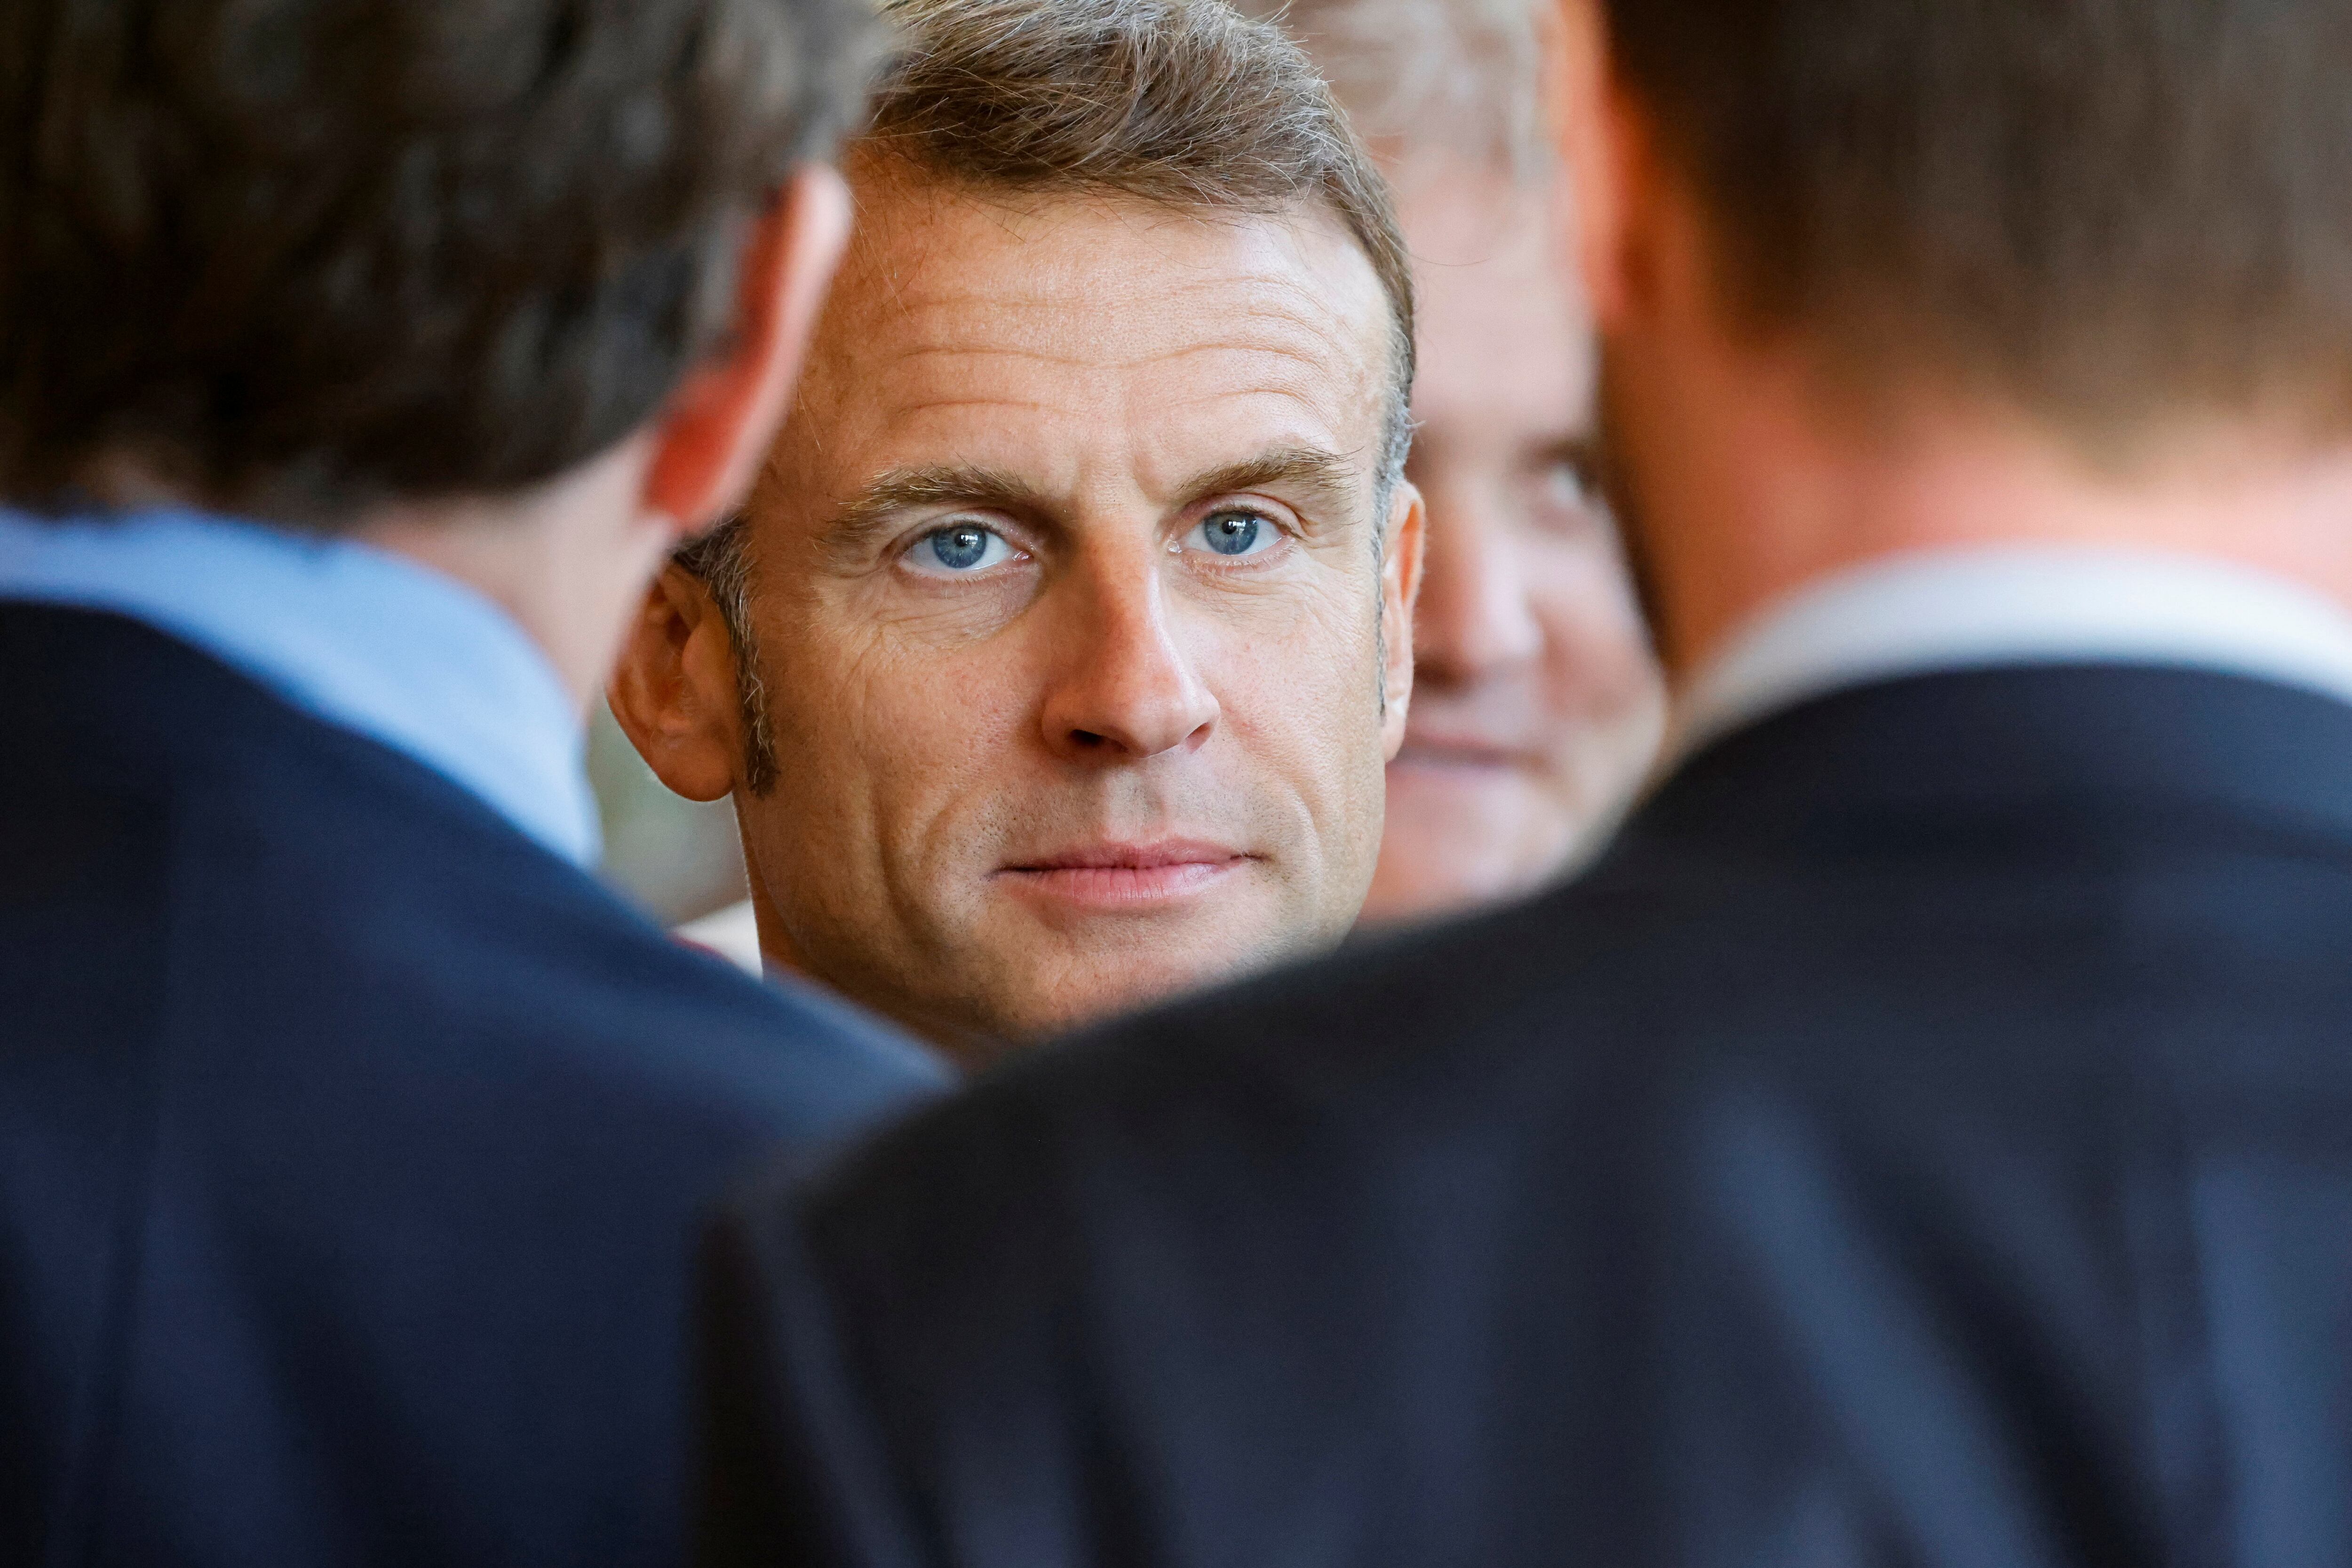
pixel 1045 333
pixel 1505 334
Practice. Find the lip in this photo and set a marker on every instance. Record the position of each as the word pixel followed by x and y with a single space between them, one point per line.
pixel 1124 875
pixel 1460 753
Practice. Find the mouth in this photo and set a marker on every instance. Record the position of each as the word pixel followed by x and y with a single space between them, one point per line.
pixel 1126 875
pixel 1460 756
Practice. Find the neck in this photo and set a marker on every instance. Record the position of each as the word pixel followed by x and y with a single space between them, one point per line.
pixel 568 559
pixel 1786 488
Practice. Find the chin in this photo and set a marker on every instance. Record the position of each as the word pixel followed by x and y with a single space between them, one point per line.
pixel 1452 845
pixel 1109 992
pixel 1097 981
pixel 1500 792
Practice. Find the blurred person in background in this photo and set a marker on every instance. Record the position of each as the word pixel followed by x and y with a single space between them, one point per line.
pixel 1055 662
pixel 1536 703
pixel 1926 1135
pixel 360 359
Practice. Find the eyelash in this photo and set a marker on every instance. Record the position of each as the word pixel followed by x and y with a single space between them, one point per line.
pixel 1264 518
pixel 911 557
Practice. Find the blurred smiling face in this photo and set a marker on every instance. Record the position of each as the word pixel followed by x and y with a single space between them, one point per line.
pixel 1536 702
pixel 1079 654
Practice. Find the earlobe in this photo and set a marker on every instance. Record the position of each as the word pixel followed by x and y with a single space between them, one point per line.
pixel 673 692
pixel 712 438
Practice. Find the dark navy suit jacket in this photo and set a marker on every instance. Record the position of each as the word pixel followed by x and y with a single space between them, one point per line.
pixel 352 1146
pixel 1925 1139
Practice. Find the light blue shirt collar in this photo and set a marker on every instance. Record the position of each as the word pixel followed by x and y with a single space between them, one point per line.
pixel 354 635
pixel 2014 605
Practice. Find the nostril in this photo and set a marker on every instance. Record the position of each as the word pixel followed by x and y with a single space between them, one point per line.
pixel 1086 737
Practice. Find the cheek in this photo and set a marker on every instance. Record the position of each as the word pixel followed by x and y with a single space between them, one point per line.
pixel 1594 634
pixel 891 743
pixel 1308 651
pixel 1301 694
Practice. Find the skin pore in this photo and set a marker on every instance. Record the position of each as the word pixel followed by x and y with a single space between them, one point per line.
pixel 1537 704
pixel 1081 656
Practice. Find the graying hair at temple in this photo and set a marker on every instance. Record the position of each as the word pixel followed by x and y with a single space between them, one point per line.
pixel 1187 104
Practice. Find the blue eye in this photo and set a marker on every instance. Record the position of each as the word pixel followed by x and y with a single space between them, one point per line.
pixel 957 550
pixel 960 550
pixel 1233 533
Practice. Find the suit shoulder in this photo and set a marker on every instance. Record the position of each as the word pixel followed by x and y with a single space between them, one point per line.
pixel 302 871
pixel 1423 1034
pixel 527 959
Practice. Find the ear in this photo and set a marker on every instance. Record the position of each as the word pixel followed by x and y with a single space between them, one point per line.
pixel 1399 588
pixel 1595 127
pixel 674 691
pixel 711 441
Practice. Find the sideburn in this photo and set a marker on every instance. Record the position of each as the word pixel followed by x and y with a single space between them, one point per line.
pixel 760 773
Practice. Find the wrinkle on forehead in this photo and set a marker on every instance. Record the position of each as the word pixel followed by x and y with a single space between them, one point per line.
pixel 927 278
pixel 1316 303
pixel 1084 338
pixel 1303 354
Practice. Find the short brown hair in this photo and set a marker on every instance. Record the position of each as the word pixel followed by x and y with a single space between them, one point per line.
pixel 1179 103
pixel 2109 213
pixel 299 258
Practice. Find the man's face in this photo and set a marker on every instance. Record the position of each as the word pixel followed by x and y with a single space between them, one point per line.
pixel 1536 704
pixel 1067 602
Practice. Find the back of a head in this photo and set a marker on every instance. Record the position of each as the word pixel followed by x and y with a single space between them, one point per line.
pixel 2118 215
pixel 302 258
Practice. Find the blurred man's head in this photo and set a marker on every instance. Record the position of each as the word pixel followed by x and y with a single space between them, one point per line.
pixel 1536 705
pixel 1878 278
pixel 457 276
pixel 1070 615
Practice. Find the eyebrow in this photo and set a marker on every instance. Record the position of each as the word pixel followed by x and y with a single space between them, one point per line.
pixel 877 508
pixel 1328 477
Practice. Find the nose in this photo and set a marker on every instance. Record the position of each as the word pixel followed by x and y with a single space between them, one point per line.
pixel 1127 687
pixel 1475 619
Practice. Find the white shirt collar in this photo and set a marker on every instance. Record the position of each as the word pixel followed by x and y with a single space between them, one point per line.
pixel 2017 605
pixel 356 636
